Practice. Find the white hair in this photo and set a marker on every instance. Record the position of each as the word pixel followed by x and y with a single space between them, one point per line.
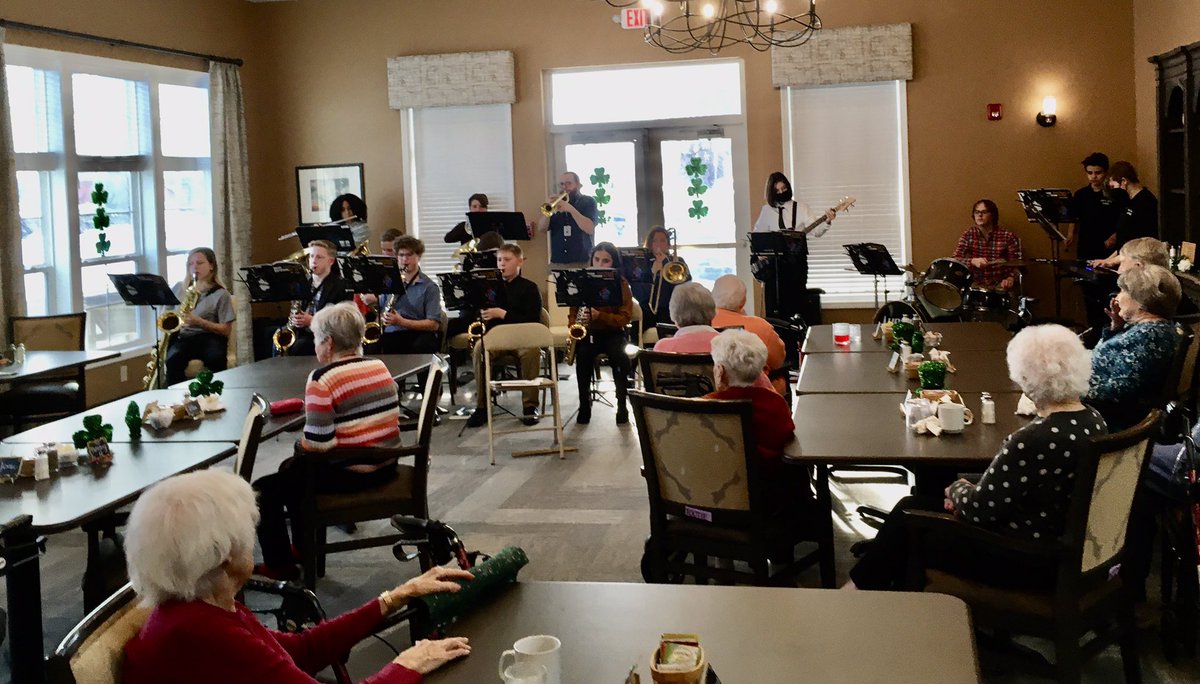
pixel 1154 288
pixel 182 529
pixel 1050 364
pixel 729 293
pixel 742 354
pixel 341 323
pixel 692 304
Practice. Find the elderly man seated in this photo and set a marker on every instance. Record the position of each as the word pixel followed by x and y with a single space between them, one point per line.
pixel 350 401
pixel 190 545
pixel 738 359
pixel 729 294
pixel 692 310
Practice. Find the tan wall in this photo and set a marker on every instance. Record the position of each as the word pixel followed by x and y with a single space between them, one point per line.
pixel 1158 26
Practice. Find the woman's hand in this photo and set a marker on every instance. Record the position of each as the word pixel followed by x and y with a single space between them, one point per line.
pixel 1116 321
pixel 433 581
pixel 425 656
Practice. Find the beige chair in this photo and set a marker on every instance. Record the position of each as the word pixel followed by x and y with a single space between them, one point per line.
pixel 247 453
pixel 52 395
pixel 557 318
pixel 517 337
pixel 677 375
pixel 94 651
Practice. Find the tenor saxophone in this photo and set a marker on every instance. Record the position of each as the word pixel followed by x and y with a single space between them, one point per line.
pixel 285 337
pixel 577 332
pixel 169 322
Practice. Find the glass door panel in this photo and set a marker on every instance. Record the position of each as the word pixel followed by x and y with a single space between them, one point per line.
pixel 618 161
pixel 702 213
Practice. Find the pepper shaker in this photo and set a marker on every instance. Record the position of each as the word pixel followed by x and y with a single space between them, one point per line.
pixel 987 409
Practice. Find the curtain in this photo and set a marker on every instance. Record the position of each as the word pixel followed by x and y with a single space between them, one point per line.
pixel 231 194
pixel 12 269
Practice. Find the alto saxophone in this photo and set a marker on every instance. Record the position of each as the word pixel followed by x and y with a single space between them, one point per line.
pixel 285 337
pixel 169 322
pixel 577 332
pixel 374 330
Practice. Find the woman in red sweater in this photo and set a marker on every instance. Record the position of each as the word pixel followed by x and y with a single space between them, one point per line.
pixel 189 547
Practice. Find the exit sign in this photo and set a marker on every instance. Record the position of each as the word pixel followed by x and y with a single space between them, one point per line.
pixel 635 18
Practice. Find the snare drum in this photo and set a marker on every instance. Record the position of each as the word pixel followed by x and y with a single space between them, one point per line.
pixel 944 289
pixel 980 299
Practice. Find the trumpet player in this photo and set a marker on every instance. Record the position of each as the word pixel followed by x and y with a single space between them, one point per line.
pixel 605 335
pixel 571 223
pixel 204 334
pixel 524 305
pixel 327 288
pixel 411 321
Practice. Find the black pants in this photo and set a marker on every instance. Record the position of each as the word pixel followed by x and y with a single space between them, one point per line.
pixel 281 492
pixel 408 342
pixel 210 348
pixel 612 344
pixel 303 346
pixel 885 564
pixel 792 275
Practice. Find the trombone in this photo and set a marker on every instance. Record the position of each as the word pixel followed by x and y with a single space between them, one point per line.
pixel 675 272
pixel 548 207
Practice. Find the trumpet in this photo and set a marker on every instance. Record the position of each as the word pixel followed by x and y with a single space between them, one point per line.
pixel 675 272
pixel 548 207
pixel 577 332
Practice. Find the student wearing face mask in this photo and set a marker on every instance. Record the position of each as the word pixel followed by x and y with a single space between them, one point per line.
pixel 783 212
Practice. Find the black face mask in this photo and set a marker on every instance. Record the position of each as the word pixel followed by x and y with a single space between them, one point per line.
pixel 778 198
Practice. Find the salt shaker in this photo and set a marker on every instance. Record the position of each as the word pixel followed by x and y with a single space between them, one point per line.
pixel 20 355
pixel 41 465
pixel 987 409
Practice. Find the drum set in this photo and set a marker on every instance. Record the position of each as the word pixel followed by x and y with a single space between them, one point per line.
pixel 944 293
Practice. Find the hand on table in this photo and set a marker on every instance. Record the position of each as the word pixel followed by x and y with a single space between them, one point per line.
pixel 433 581
pixel 425 656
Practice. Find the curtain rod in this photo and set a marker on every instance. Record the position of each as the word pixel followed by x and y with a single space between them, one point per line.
pixel 34 28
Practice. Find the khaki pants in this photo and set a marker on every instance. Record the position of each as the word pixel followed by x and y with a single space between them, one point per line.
pixel 530 362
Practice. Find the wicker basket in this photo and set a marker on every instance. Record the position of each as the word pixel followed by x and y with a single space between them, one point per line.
pixel 694 676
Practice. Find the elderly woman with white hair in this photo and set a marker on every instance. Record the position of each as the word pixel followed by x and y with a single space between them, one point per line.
pixel 1136 352
pixel 189 546
pixel 350 401
pixel 1026 490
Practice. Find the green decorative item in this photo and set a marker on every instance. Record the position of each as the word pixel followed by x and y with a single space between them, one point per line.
pixel 901 332
pixel 100 220
pixel 133 419
pixel 696 170
pixel 436 612
pixel 918 342
pixel 600 179
pixel 94 428
pixel 204 385
pixel 932 375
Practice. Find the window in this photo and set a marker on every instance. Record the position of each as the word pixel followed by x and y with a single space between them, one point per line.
pixel 452 153
pixel 850 140
pixel 143 132
pixel 591 96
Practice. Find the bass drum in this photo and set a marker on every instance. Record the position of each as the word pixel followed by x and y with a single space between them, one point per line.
pixel 894 311
pixel 944 289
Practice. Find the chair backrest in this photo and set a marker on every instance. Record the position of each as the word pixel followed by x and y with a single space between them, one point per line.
pixel 429 400
pixel 443 338
pixel 666 330
pixel 695 456
pixel 64 332
pixel 1187 369
pixel 636 321
pixel 516 336
pixel 1183 348
pixel 256 417
pixel 1106 482
pixel 94 650
pixel 677 375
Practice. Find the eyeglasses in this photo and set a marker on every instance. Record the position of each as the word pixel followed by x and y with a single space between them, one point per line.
pixel 981 212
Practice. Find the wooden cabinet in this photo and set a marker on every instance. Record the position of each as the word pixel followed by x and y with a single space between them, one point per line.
pixel 1178 123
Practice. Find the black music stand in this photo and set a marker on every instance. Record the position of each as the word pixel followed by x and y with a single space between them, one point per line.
pixel 1048 207
pixel 374 274
pixel 477 290
pixel 338 234
pixel 591 287
pixel 873 259
pixel 766 249
pixel 509 224
pixel 145 289
pixel 475 261
pixel 638 264
pixel 282 281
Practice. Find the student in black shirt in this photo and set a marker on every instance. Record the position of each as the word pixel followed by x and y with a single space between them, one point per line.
pixel 1098 208
pixel 523 305
pixel 1141 212
pixel 327 288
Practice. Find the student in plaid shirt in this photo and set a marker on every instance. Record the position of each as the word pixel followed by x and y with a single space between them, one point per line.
pixel 985 242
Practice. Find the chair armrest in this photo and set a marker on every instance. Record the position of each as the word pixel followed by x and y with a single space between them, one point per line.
pixel 924 523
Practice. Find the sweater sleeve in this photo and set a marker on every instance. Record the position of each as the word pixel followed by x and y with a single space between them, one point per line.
pixel 961 250
pixel 991 499
pixel 320 430
pixel 1121 364
pixel 315 649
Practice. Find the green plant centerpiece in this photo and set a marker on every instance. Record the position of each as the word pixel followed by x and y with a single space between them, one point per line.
pixel 696 170
pixel 932 375
pixel 133 420
pixel 901 332
pixel 600 179
pixel 95 436
pixel 207 391
pixel 100 220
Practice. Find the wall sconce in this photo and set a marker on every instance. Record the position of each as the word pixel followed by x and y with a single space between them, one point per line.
pixel 1048 115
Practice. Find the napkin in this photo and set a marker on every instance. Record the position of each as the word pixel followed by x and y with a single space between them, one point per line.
pixel 1026 407
pixel 944 357
pixel 931 424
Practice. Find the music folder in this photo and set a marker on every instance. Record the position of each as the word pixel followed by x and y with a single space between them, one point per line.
pixel 638 264
pixel 479 289
pixel 143 289
pixel 338 234
pixel 371 274
pixel 593 287
pixel 510 224
pixel 281 281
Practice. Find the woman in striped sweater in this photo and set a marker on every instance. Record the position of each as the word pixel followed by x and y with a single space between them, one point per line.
pixel 350 401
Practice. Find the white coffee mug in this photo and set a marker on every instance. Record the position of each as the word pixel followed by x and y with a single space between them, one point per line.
pixel 524 673
pixel 540 649
pixel 952 416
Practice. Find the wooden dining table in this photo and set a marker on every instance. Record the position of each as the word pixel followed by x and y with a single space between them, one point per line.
pixel 956 337
pixel 977 371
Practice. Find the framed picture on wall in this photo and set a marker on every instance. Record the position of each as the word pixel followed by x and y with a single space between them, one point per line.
pixel 318 186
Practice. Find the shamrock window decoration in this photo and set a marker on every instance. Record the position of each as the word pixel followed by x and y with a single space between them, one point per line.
pixel 100 220
pixel 696 170
pixel 600 179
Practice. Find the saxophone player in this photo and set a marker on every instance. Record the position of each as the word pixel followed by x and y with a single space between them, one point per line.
pixel 205 331
pixel 327 288
pixel 605 335
pixel 412 320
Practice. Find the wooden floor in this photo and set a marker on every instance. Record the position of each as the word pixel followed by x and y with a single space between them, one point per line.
pixel 583 518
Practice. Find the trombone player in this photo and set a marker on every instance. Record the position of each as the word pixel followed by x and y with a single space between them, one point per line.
pixel 655 296
pixel 571 222
pixel 327 288
pixel 204 333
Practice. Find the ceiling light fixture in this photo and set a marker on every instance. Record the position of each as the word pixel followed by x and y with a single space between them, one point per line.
pixel 714 24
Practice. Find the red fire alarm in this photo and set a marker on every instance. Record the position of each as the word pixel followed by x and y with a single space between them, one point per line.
pixel 995 111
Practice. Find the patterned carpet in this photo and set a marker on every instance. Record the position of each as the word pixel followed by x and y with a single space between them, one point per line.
pixel 583 518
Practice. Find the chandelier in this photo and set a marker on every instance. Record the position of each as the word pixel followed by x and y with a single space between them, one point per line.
pixel 686 25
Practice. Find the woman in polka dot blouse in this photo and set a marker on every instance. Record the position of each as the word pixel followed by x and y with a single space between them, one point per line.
pixel 1026 489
